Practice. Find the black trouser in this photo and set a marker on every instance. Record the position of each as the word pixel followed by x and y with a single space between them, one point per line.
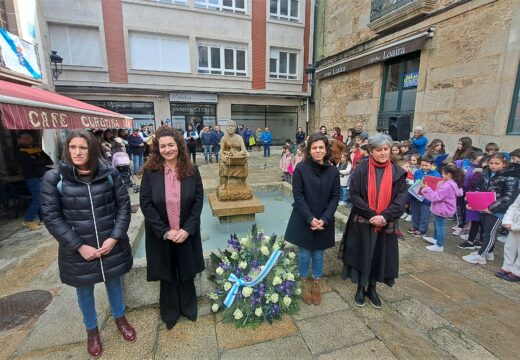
pixel 490 225
pixel 192 148
pixel 476 227
pixel 461 212
pixel 177 298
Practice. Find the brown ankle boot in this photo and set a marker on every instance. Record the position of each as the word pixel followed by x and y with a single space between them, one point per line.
pixel 125 329
pixel 94 346
pixel 316 292
pixel 306 292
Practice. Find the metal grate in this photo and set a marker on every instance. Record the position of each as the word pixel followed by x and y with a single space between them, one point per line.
pixel 382 7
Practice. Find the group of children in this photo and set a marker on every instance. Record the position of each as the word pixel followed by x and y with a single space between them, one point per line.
pixel 291 156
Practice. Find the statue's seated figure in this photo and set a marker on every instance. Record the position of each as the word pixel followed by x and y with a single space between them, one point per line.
pixel 233 167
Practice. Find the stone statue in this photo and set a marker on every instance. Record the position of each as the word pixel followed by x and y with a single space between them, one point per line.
pixel 233 167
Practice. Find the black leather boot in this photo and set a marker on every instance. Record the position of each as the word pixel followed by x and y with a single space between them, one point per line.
pixel 359 299
pixel 372 295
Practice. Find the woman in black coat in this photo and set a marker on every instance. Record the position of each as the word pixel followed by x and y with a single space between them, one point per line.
pixel 369 249
pixel 86 207
pixel 171 201
pixel 311 226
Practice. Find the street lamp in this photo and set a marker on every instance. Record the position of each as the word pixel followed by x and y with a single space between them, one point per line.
pixel 57 61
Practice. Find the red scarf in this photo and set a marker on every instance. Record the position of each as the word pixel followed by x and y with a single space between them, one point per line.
pixel 385 187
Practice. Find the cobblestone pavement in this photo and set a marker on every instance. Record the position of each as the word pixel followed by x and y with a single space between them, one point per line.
pixel 439 308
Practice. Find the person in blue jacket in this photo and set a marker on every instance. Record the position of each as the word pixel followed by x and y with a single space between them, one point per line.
pixel 216 136
pixel 418 141
pixel 267 138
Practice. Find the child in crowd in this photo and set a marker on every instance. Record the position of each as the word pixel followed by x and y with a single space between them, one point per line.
pixel 472 177
pixel 415 163
pixel 443 204
pixel 496 178
pixel 421 209
pixel 395 153
pixel 344 167
pixel 510 270
pixel 405 165
pixel 491 148
pixel 363 149
pixel 355 155
pixel 514 164
pixel 298 157
pixel 285 163
pixel 404 149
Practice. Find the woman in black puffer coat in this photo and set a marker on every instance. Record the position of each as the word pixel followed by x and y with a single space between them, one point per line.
pixel 86 207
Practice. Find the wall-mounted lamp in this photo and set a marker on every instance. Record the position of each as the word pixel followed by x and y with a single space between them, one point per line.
pixel 57 64
pixel 310 70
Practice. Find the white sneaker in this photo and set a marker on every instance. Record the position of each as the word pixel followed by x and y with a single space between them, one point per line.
pixel 405 214
pixel 342 203
pixel 435 248
pixel 474 259
pixel 489 256
pixel 464 237
pixel 408 218
pixel 430 239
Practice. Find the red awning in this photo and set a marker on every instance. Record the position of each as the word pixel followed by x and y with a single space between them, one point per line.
pixel 24 107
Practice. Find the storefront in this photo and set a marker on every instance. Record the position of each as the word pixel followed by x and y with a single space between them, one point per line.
pixel 196 109
pixel 142 112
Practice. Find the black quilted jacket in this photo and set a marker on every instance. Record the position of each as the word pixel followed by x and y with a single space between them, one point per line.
pixel 82 213
pixel 504 184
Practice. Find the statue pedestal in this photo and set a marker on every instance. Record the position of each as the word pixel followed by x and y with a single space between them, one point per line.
pixel 235 210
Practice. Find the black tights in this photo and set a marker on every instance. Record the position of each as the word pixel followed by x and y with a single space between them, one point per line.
pixel 476 227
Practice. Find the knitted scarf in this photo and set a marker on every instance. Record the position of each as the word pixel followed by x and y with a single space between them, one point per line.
pixel 379 201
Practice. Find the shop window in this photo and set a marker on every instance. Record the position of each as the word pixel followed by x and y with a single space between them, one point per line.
pixel 159 53
pixel 77 45
pixel 235 6
pixel 221 60
pixel 287 10
pixel 513 127
pixel 283 64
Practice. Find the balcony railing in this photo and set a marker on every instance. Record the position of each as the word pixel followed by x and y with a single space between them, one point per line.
pixel 382 7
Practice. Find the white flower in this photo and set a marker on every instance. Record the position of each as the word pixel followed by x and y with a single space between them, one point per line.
pixel 274 298
pixel 227 286
pixel 258 311
pixel 287 300
pixel 244 241
pixel 247 291
pixel 264 250
pixel 238 314
pixel 242 264
pixel 289 276
pixel 213 296
pixel 292 255
pixel 286 261
pixel 219 271
pixel 298 291
pixel 277 281
pixel 234 256
pixel 267 238
pixel 225 260
pixel 276 246
pixel 214 307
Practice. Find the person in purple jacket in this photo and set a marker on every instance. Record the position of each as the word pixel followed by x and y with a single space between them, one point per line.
pixel 443 204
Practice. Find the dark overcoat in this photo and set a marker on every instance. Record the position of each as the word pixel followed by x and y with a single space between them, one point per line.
pixel 370 253
pixel 87 214
pixel 163 256
pixel 316 194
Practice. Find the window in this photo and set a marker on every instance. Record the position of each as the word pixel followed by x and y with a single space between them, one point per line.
pixel 159 53
pixel 513 127
pixel 284 10
pixel 222 60
pixel 76 45
pixel 236 6
pixel 283 64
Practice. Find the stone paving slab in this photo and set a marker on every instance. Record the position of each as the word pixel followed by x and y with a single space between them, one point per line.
pixel 421 315
pixel 370 350
pixel 73 351
pixel 229 337
pixel 330 302
pixel 189 340
pixel 333 331
pixel 460 346
pixel 292 347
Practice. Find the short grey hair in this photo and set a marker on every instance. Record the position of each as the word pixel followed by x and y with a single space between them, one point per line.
pixel 379 140
pixel 419 128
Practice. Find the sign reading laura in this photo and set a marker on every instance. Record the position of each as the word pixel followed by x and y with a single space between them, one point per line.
pixel 372 58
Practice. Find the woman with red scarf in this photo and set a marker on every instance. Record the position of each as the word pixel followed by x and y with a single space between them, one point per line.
pixel 369 248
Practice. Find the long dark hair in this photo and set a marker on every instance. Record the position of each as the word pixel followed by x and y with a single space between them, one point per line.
pixel 456 174
pixel 94 150
pixel 318 137
pixel 155 161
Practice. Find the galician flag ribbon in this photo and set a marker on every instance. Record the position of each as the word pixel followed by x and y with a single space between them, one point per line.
pixel 241 282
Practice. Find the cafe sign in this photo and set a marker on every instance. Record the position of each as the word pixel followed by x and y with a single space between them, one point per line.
pixel 373 56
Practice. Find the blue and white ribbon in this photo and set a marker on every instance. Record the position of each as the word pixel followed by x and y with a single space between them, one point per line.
pixel 241 282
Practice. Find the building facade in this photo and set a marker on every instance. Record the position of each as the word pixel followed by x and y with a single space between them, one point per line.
pixel 180 62
pixel 451 66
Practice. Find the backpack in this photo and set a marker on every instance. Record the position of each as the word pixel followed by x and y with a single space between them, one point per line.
pixel 59 185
